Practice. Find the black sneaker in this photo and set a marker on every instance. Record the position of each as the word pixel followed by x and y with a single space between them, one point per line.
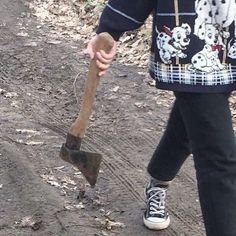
pixel 155 217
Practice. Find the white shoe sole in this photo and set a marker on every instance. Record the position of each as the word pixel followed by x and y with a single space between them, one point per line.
pixel 156 226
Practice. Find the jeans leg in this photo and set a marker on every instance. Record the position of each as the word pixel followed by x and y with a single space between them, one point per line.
pixel 172 150
pixel 208 122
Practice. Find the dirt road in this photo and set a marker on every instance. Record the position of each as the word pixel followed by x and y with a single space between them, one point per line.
pixel 42 195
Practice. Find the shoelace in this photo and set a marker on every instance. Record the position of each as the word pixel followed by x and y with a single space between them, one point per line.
pixel 156 200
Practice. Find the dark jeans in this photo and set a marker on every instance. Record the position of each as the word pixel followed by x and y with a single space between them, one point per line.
pixel 201 124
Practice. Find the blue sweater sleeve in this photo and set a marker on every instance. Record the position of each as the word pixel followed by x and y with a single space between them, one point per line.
pixel 123 15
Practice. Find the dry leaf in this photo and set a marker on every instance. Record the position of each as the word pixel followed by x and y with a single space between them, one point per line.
pixel 10 95
pixel 2 91
pixel 28 221
pixel 80 206
pixel 112 224
pixel 115 89
pixel 50 179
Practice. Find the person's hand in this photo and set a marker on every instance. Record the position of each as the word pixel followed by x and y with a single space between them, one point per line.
pixel 103 59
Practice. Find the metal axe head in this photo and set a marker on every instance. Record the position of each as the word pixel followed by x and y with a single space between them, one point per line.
pixel 88 163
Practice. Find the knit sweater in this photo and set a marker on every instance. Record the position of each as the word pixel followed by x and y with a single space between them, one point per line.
pixel 193 45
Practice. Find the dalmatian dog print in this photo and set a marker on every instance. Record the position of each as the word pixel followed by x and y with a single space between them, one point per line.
pixel 172 43
pixel 215 12
pixel 213 18
pixel 232 49
pixel 213 35
pixel 206 60
pixel 232 45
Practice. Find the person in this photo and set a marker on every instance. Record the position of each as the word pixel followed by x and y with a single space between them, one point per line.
pixel 193 54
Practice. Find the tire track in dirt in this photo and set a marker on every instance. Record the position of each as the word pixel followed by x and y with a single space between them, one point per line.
pixel 3 71
pixel 117 169
pixel 114 167
pixel 120 165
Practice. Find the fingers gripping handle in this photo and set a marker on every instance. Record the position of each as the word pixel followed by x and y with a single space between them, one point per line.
pixel 104 42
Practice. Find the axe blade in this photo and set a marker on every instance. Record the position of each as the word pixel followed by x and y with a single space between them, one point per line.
pixel 87 162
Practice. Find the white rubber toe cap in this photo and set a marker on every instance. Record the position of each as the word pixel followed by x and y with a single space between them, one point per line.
pixel 156 223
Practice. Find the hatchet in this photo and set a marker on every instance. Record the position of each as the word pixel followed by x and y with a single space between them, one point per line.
pixel 88 163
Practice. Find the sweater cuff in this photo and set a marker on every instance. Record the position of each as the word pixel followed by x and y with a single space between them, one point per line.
pixel 115 34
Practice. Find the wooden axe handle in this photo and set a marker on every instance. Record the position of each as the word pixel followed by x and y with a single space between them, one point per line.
pixel 104 42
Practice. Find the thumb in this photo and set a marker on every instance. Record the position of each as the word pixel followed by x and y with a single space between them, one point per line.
pixel 89 51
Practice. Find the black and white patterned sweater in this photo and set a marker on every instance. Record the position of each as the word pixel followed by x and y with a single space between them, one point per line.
pixel 193 41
